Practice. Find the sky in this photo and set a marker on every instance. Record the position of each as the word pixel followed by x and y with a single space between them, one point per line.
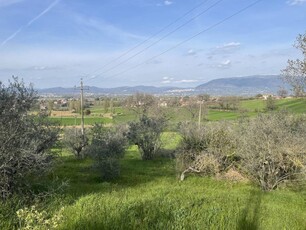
pixel 114 43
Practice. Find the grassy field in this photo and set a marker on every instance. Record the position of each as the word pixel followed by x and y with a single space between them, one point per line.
pixel 148 195
pixel 71 121
pixel 293 105
pixel 123 115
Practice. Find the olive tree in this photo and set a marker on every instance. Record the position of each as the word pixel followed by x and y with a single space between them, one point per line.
pixel 145 133
pixel 270 104
pixel 295 72
pixel 106 148
pixel 25 139
pixel 75 141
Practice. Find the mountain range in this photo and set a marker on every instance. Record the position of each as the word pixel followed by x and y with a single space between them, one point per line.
pixel 239 86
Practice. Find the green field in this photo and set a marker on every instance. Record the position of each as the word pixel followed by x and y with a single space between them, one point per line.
pixel 123 115
pixel 148 195
pixel 71 121
pixel 293 105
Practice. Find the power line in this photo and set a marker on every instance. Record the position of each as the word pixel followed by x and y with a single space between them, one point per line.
pixel 190 38
pixel 150 37
pixel 162 38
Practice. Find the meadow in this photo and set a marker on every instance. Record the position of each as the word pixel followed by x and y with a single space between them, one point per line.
pixel 123 115
pixel 149 195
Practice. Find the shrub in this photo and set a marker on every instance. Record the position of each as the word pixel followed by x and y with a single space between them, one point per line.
pixel 272 148
pixel 146 133
pixel 31 218
pixel 87 112
pixel 270 104
pixel 210 146
pixel 106 148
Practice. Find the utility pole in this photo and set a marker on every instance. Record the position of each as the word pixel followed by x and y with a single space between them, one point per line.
pixel 200 114
pixel 82 109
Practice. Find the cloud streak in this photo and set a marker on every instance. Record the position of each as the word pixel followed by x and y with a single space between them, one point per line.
pixel 104 27
pixel 4 3
pixel 30 22
pixel 296 2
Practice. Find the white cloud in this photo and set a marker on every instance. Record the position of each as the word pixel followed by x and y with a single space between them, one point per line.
pixel 295 2
pixel 225 48
pixel 168 3
pixel 186 81
pixel 167 80
pixel 171 80
pixel 229 46
pixel 191 52
pixel 39 67
pixel 225 64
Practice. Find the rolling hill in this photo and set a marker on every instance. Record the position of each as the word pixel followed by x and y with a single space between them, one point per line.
pixel 240 86
pixel 250 85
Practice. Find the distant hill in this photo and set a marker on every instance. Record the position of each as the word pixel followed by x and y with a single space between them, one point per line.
pixel 249 85
pixel 240 86
pixel 125 90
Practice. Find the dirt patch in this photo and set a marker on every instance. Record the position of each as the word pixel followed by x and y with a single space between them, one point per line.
pixel 63 114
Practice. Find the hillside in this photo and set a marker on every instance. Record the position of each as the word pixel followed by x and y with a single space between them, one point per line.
pixel 249 85
pixel 124 90
pixel 243 86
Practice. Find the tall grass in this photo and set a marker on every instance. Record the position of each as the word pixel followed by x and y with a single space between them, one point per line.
pixel 148 196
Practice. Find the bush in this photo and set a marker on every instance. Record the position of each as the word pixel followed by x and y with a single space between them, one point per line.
pixel 208 149
pixel 31 218
pixel 270 104
pixel 272 148
pixel 146 135
pixel 87 112
pixel 106 148
pixel 25 139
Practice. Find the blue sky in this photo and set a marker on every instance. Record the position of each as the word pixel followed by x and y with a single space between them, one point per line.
pixel 56 42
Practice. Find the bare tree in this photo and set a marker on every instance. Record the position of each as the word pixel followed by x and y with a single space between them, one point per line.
pixel 282 92
pixel 192 107
pixel 295 73
pixel 141 103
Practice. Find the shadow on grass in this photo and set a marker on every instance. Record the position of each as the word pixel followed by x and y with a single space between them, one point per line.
pixel 249 218
pixel 84 179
